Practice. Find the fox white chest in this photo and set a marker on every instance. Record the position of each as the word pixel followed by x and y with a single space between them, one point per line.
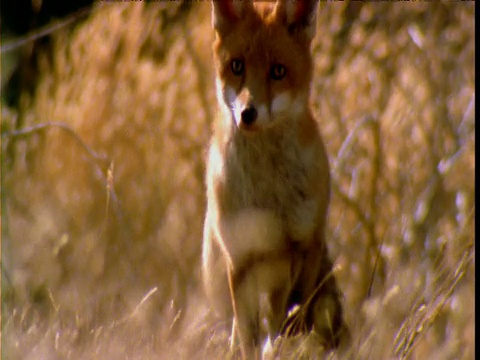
pixel 270 173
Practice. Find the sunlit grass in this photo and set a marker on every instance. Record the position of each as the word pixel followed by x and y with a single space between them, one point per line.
pixel 100 254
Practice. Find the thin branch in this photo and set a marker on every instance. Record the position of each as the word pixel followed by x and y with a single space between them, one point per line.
pixel 352 204
pixel 135 311
pixel 375 266
pixel 424 315
pixel 99 164
pixel 44 31
pixel 31 130
pixel 376 166
pixel 347 145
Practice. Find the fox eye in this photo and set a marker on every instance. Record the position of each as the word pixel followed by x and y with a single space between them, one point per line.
pixel 237 66
pixel 277 72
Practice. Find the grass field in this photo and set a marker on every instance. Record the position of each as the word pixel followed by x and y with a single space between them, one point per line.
pixel 103 192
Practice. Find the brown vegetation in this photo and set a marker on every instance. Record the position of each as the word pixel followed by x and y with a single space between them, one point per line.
pixel 102 213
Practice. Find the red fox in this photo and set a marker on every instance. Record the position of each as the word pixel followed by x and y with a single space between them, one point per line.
pixel 268 179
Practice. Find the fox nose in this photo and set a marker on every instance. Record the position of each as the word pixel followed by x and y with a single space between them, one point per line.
pixel 249 115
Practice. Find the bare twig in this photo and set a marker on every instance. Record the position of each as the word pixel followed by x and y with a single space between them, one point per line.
pixel 31 130
pixel 347 145
pixel 366 216
pixel 424 315
pixel 137 308
pixel 376 166
pixel 355 206
pixel 44 31
pixel 99 163
pixel 375 266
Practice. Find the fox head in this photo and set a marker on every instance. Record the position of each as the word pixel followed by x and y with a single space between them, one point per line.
pixel 263 61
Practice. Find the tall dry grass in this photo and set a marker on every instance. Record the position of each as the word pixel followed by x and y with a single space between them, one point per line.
pixel 103 194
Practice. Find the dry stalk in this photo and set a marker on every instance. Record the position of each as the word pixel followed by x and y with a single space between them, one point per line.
pixel 424 315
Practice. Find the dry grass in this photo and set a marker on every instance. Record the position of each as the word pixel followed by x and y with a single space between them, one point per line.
pixel 102 214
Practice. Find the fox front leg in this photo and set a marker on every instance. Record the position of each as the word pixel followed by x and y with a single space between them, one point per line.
pixel 245 325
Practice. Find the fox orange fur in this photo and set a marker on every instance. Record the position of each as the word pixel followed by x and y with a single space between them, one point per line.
pixel 268 187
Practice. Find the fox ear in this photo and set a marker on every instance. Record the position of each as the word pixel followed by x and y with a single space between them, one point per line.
pixel 300 16
pixel 226 13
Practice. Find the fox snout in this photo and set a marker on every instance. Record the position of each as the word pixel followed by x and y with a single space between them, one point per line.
pixel 249 107
pixel 249 115
pixel 253 109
